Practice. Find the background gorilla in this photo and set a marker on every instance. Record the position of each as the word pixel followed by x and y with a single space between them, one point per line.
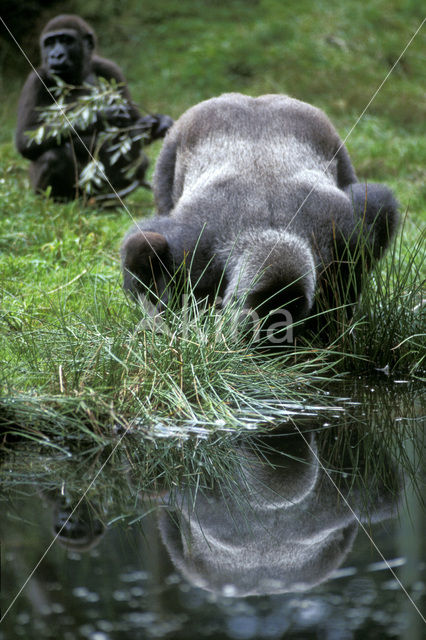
pixel 258 194
pixel 67 45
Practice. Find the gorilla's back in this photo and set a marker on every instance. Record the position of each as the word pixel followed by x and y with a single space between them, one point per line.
pixel 254 159
pixel 262 194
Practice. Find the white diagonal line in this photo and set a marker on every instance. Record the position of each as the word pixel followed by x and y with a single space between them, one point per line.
pixel 363 527
pixel 362 114
pixel 350 131
pixel 64 525
pixel 357 519
pixel 120 439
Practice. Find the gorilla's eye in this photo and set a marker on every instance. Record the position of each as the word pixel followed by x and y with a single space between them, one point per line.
pixel 49 41
pixel 66 39
pixel 63 38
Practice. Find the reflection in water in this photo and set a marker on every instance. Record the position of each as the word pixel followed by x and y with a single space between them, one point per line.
pixel 283 524
pixel 76 526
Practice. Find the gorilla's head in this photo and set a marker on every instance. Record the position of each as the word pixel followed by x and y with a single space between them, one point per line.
pixel 66 45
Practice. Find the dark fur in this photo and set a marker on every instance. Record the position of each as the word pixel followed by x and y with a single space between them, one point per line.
pixel 245 183
pixel 75 63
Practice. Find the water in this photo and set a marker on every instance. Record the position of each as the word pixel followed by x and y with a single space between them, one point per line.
pixel 317 533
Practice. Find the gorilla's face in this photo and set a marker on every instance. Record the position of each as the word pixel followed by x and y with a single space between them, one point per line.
pixel 64 53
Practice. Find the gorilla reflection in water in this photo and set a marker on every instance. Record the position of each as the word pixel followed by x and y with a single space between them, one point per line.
pixel 279 525
pixel 283 527
pixel 77 527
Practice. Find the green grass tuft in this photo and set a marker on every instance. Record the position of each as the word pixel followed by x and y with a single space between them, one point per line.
pixel 76 359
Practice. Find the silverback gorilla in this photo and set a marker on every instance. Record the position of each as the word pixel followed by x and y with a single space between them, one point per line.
pixel 67 46
pixel 282 525
pixel 257 199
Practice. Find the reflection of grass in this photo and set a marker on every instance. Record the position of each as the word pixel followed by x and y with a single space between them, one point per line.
pixel 368 445
pixel 377 439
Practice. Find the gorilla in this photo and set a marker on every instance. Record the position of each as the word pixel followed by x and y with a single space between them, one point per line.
pixel 80 530
pixel 76 527
pixel 257 202
pixel 67 46
pixel 282 524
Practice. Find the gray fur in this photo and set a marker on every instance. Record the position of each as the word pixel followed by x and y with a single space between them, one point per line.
pixel 279 526
pixel 270 188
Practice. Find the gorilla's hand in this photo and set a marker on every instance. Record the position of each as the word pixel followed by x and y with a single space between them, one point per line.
pixel 117 116
pixel 144 126
pixel 151 127
pixel 161 126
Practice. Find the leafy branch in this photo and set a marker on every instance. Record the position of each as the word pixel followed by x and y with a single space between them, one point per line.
pixel 97 110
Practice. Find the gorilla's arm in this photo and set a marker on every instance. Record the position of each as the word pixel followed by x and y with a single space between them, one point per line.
pixel 374 208
pixel 345 172
pixel 376 215
pixel 34 98
pixel 154 126
pixel 153 249
pixel 164 178
pixel 103 68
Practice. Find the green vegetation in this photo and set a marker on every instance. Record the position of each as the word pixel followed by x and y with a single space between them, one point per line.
pixel 62 117
pixel 75 356
pixel 125 473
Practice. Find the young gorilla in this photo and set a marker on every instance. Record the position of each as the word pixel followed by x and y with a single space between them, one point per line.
pixel 67 45
pixel 258 198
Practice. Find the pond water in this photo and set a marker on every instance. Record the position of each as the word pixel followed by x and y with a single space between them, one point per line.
pixel 318 532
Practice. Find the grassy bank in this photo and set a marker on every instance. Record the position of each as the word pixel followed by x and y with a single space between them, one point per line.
pixel 70 354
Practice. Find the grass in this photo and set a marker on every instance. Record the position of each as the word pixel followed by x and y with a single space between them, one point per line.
pixel 385 329
pixel 116 361
pixel 392 310
pixel 74 357
pixel 358 442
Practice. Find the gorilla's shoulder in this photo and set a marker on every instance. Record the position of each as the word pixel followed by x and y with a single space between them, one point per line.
pixel 107 69
pixel 238 114
pixel 281 105
pixel 38 76
pixel 35 90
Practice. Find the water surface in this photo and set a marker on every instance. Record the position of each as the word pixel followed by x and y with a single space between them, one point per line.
pixel 318 532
